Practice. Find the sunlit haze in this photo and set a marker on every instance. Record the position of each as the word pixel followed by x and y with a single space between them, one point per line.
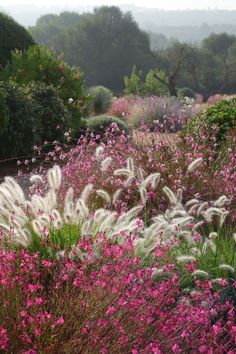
pixel 162 4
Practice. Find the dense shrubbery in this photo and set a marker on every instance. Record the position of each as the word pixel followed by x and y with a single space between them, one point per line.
pixel 33 114
pixel 221 116
pixel 158 113
pixel 99 124
pixel 12 36
pixel 38 64
pixel 101 98
pixel 186 92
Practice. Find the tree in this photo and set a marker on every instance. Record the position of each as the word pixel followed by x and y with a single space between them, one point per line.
pixel 172 61
pixel 12 36
pixel 106 45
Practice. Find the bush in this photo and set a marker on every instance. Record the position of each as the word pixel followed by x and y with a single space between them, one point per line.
pixel 134 85
pixel 186 92
pixel 99 124
pixel 34 112
pixel 12 36
pixel 38 64
pixel 166 113
pixel 221 116
pixel 101 98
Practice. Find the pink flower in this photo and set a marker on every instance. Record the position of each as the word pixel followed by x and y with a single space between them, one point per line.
pixel 111 310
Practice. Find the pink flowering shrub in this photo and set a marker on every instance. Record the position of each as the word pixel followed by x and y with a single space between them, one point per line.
pixel 217 98
pixel 110 304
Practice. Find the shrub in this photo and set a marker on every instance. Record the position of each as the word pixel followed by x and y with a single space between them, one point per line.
pixel 39 64
pixel 221 116
pixel 186 92
pixel 99 124
pixel 165 113
pixel 34 112
pixel 134 85
pixel 101 98
pixel 12 36
pixel 121 107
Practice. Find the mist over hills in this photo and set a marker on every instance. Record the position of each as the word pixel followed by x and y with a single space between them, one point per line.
pixel 185 25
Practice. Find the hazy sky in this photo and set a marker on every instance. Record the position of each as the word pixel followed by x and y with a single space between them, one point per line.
pixel 163 4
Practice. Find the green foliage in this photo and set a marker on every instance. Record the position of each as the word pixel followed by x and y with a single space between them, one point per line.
pixel 99 124
pixel 105 45
pixel 222 116
pixel 134 85
pixel 39 64
pixel 101 99
pixel 50 25
pixel 186 92
pixel 34 112
pixel 12 36
pixel 3 111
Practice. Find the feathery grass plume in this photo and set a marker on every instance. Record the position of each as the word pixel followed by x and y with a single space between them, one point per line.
pixel 130 165
pixel 179 195
pixel 98 152
pixel 197 225
pixel 37 204
pixel 132 213
pixel 143 194
pixel 226 267
pixel 6 198
pixel 54 177
pixel 105 164
pixel 57 219
pixel 152 180
pixel 193 209
pixel 23 237
pixel 50 201
pixel 107 222
pixel 86 192
pixel 209 244
pixel 38 227
pixel 200 273
pixel 223 217
pixel 170 194
pixel 86 227
pixel 5 227
pixel 45 220
pixel 185 259
pixel 140 174
pixel 192 202
pixel 116 195
pixel 213 235
pixel 15 190
pixel 69 198
pixel 194 165
pixel 220 202
pixel 104 195
pixel 178 213
pixel 36 179
pixel 201 207
pixel 129 180
pixel 82 209
pixel 187 236
pixel 196 252
pixel 122 172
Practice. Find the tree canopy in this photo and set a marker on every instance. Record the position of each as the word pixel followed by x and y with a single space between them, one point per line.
pixel 12 36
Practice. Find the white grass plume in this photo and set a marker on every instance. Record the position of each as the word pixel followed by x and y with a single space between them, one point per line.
pixel 195 164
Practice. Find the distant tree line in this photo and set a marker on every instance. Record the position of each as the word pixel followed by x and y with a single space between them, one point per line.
pixel 107 43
